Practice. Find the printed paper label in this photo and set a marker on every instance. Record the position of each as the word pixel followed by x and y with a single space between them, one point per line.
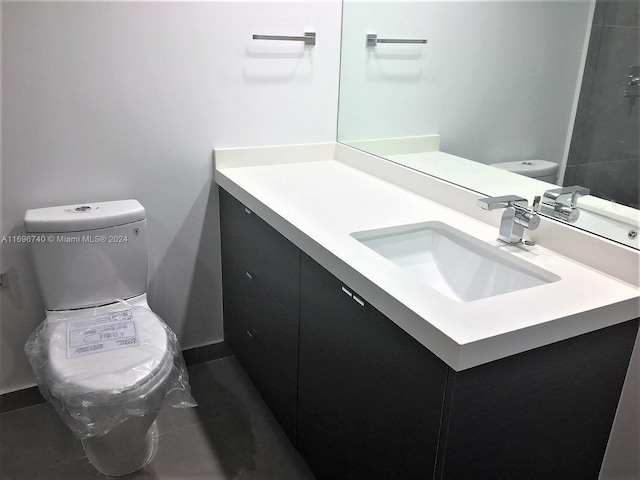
pixel 86 336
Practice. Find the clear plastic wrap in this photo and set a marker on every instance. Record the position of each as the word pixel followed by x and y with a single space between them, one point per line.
pixel 99 367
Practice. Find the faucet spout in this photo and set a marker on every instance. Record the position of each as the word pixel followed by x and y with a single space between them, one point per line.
pixel 493 203
pixel 515 218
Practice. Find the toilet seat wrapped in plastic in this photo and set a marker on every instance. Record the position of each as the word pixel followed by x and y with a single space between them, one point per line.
pixel 101 366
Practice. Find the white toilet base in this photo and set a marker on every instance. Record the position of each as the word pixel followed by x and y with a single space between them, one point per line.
pixel 126 448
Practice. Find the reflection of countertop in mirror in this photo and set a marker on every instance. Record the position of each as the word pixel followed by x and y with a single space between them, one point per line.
pixel 465 172
pixel 597 215
pixel 317 202
pixel 614 211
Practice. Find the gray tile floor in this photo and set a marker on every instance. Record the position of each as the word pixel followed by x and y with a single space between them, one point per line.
pixel 230 435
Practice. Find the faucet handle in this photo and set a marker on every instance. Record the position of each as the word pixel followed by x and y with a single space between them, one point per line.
pixel 575 190
pixel 505 201
pixel 527 218
pixel 536 203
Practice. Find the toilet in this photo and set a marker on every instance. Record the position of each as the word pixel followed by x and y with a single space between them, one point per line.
pixel 538 169
pixel 106 362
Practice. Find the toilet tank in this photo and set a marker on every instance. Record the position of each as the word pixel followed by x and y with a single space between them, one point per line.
pixel 543 170
pixel 90 254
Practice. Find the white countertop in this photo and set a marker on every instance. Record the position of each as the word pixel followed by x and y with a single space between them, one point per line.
pixel 318 204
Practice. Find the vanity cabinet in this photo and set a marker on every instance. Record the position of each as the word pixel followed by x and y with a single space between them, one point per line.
pixel 370 397
pixel 363 400
pixel 541 414
pixel 261 281
pixel 379 405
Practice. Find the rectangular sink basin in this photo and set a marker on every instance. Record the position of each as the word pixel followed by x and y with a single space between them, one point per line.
pixel 452 262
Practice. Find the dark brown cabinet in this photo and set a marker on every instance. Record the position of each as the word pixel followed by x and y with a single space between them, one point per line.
pixel 362 400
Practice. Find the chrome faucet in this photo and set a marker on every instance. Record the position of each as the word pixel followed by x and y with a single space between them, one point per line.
pixel 556 198
pixel 515 218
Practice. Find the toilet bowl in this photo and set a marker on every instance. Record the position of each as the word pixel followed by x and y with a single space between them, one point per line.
pixel 539 169
pixel 106 362
pixel 122 389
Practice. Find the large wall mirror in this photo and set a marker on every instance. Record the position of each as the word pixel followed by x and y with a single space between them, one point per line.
pixel 503 97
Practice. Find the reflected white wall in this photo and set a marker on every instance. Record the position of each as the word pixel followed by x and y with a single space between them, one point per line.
pixel 497 80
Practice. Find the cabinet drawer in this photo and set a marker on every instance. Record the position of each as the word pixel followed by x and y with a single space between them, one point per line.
pixel 249 243
pixel 264 338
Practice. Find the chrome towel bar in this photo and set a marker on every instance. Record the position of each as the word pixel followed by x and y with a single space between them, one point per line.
pixel 309 38
pixel 373 40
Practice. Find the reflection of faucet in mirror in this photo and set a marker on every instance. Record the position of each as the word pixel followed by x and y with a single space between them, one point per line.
pixel 555 200
pixel 515 218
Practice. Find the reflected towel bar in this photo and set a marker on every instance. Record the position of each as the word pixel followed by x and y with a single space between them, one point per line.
pixel 373 40
pixel 309 38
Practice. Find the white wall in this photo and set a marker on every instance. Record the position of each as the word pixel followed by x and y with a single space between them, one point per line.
pixel 496 80
pixel 105 101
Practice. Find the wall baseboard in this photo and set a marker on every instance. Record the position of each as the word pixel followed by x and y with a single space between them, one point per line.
pixel 20 399
pixel 213 351
pixel 27 397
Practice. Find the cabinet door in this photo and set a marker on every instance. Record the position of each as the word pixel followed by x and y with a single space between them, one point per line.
pixel 542 414
pixel 324 374
pixel 369 396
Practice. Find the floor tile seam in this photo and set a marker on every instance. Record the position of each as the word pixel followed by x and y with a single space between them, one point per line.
pixel 52 465
pixel 216 417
